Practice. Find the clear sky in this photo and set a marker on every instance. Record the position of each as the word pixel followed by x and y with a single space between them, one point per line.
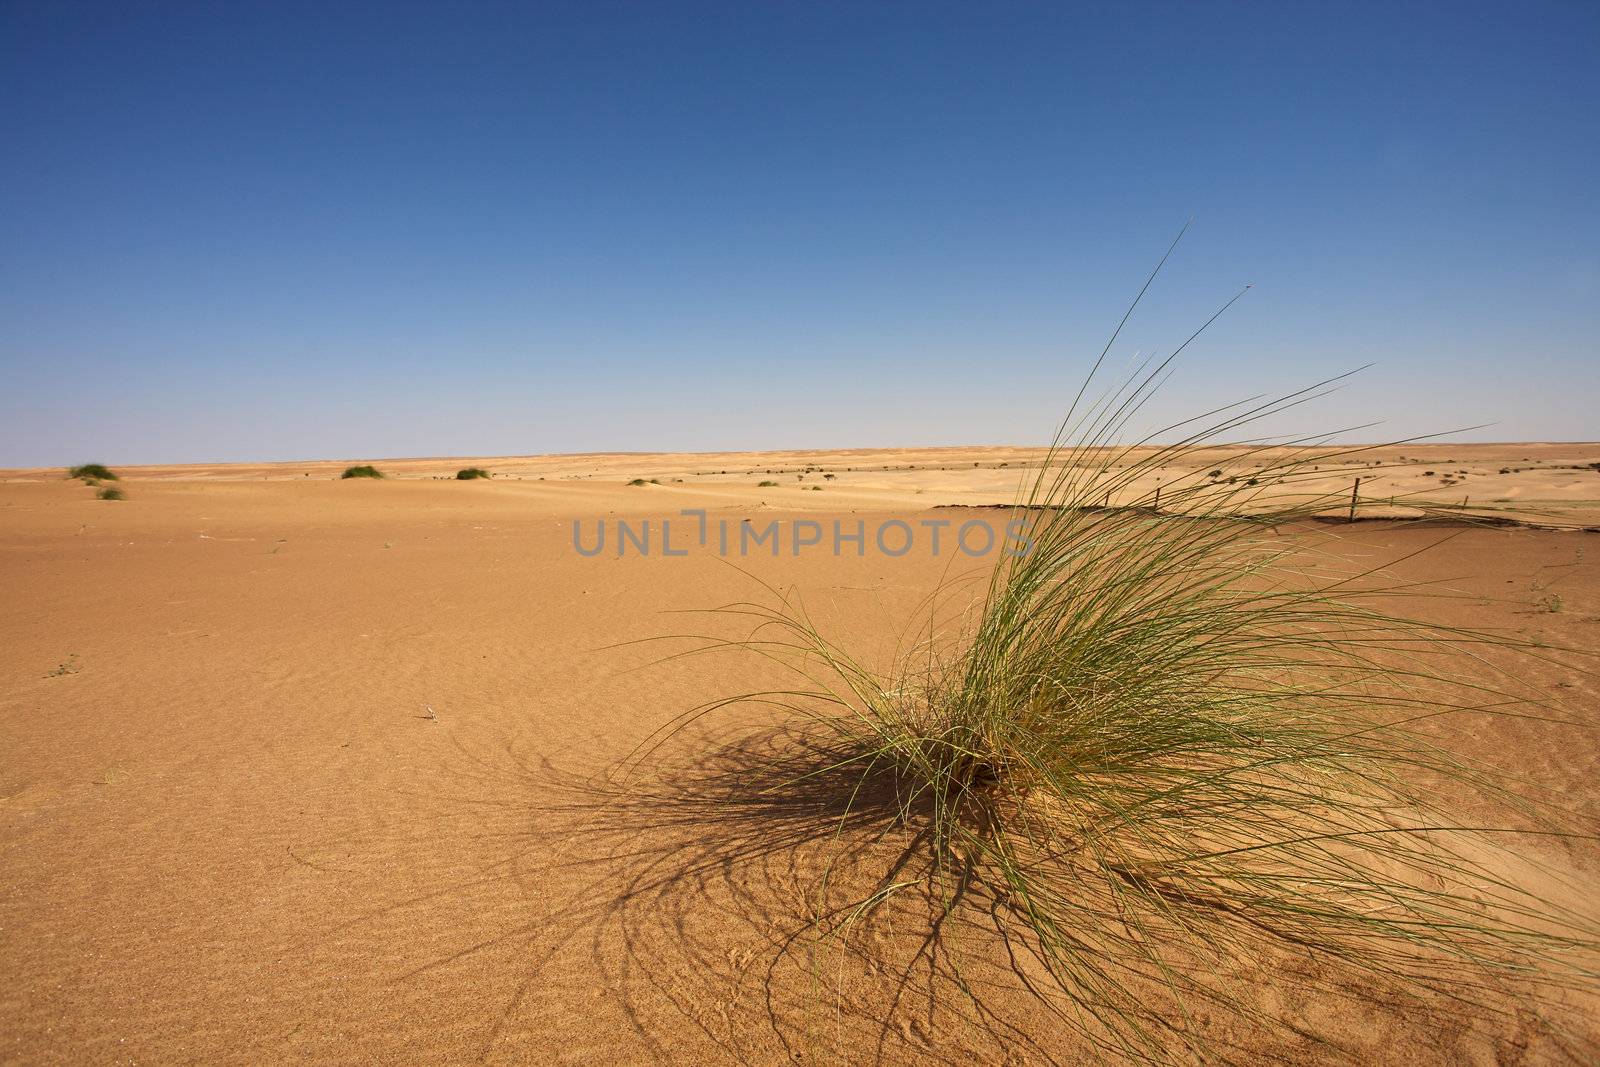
pixel 240 231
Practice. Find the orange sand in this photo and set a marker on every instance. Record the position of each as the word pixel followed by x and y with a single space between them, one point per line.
pixel 296 769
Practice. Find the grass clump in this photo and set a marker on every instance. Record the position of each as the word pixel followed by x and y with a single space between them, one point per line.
pixel 766 484
pixel 467 474
pixel 92 472
pixel 111 493
pixel 1157 744
pixel 363 471
pixel 638 481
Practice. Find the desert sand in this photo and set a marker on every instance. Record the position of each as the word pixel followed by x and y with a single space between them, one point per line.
pixel 299 769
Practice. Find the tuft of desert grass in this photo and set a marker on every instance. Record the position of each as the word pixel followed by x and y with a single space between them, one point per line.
pixel 1162 737
pixel 111 493
pixel 92 472
pixel 363 471
pixel 467 474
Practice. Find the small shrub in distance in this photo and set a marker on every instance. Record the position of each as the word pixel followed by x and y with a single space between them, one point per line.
pixel 110 494
pixel 467 474
pixel 638 481
pixel 363 471
pixel 95 471
pixel 764 485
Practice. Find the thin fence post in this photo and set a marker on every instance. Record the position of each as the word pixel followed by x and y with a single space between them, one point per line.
pixel 1354 491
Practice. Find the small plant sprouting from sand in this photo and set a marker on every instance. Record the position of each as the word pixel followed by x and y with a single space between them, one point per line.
pixel 467 474
pixel 366 470
pixel 769 484
pixel 92 472
pixel 65 667
pixel 111 493
pixel 638 481
pixel 1162 742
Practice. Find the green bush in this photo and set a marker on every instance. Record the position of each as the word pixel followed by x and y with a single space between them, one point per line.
pixel 111 494
pixel 96 471
pixel 1160 744
pixel 364 471
pixel 467 474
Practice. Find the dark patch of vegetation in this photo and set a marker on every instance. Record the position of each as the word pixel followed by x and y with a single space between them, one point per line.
pixel 467 474
pixel 111 494
pixel 764 485
pixel 638 481
pixel 366 470
pixel 95 471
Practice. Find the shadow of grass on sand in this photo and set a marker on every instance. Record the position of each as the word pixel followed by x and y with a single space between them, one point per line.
pixel 736 897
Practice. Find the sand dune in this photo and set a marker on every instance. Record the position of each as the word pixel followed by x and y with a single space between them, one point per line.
pixel 300 769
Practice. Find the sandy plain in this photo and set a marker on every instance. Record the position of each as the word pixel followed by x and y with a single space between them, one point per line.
pixel 295 769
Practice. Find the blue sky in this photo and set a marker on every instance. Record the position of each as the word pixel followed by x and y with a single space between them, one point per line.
pixel 277 231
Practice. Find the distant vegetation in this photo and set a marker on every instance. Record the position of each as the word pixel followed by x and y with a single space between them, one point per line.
pixel 364 471
pixel 763 485
pixel 638 481
pixel 93 471
pixel 466 474
pixel 111 494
